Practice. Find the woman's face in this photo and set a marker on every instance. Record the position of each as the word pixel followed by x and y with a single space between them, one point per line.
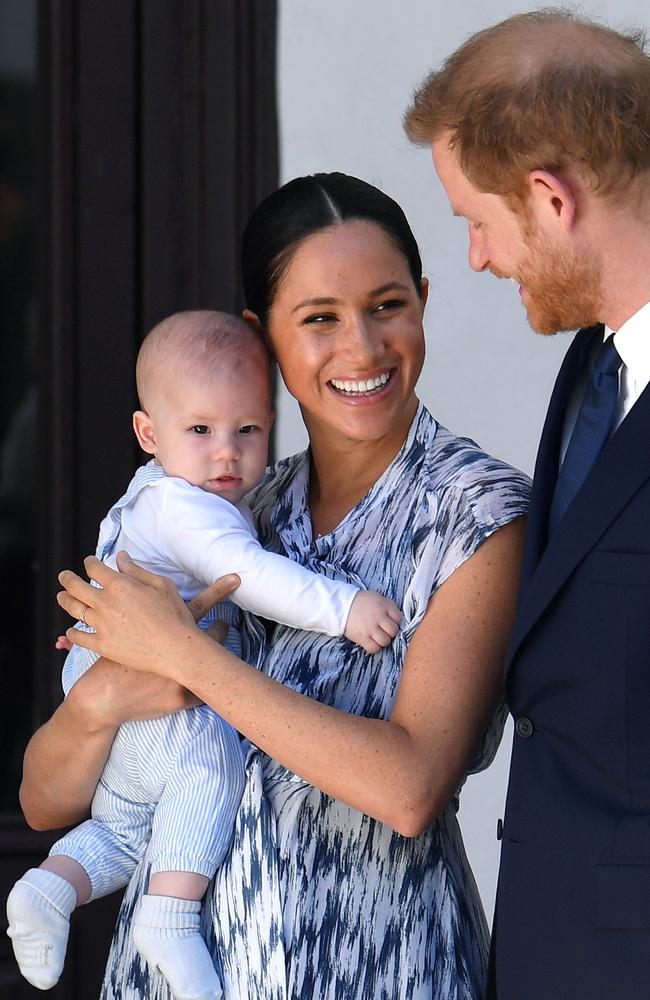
pixel 346 329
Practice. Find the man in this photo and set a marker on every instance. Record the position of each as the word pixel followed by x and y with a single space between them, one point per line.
pixel 540 129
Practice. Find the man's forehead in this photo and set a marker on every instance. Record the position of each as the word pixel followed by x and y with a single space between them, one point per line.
pixel 451 175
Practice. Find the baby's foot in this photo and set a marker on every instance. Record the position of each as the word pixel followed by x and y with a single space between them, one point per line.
pixel 38 911
pixel 166 933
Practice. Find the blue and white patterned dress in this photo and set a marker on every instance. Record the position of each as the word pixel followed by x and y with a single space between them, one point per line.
pixel 317 901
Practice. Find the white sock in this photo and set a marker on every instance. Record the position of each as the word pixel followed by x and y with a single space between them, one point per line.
pixel 38 911
pixel 166 933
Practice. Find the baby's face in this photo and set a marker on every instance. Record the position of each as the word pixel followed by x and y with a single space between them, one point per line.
pixel 213 431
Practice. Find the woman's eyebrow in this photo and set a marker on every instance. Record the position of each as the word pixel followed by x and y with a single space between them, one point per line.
pixel 331 301
pixel 391 286
pixel 315 302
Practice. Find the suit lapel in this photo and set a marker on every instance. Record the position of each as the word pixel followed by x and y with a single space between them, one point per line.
pixel 620 471
pixel 548 455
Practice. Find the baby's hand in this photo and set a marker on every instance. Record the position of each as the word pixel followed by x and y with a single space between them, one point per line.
pixel 63 642
pixel 373 621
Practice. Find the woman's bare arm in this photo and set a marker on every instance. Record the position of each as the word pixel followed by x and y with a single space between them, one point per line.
pixel 65 757
pixel 402 771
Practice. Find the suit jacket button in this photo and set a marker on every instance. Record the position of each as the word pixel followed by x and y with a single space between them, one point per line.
pixel 499 829
pixel 524 727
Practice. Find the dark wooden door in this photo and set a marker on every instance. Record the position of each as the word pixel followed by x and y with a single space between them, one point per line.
pixel 135 138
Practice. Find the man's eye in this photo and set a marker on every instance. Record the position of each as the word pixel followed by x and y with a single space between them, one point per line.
pixel 248 429
pixel 200 429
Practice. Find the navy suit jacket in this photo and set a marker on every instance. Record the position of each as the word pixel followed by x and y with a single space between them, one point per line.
pixel 572 919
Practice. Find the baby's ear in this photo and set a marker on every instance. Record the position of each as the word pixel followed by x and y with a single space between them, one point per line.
pixel 144 431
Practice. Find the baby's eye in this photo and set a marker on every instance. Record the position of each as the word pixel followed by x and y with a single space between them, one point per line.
pixel 248 429
pixel 200 429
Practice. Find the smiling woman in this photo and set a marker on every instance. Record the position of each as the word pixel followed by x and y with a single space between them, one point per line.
pixel 347 876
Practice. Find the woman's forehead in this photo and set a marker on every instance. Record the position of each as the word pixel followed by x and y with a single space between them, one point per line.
pixel 343 250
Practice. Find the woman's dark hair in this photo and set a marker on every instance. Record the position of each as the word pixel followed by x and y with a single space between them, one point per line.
pixel 303 207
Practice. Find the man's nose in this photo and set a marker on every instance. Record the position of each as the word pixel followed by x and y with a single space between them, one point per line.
pixel 478 257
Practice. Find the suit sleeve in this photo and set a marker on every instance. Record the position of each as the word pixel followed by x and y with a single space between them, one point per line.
pixel 208 537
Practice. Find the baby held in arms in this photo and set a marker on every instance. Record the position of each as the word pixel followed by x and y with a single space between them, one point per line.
pixel 171 786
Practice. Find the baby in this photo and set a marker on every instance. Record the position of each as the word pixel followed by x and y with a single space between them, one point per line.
pixel 172 786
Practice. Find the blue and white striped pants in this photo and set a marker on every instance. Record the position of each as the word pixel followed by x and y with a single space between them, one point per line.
pixel 173 783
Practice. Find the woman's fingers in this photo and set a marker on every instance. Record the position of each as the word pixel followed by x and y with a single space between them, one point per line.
pixel 131 569
pixel 201 604
pixel 77 590
pixel 217 631
pixel 73 606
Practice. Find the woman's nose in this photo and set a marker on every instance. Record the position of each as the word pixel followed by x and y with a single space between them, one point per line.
pixel 363 344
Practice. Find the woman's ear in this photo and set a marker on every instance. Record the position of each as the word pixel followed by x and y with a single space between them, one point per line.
pixel 250 317
pixel 424 292
pixel 144 431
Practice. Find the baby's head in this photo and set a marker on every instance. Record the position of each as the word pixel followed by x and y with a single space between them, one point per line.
pixel 205 391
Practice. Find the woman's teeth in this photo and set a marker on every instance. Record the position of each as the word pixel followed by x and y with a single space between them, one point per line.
pixel 369 385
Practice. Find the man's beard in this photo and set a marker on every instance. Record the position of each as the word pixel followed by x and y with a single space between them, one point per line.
pixel 562 289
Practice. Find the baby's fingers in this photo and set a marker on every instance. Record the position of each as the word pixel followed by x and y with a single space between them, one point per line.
pixel 395 615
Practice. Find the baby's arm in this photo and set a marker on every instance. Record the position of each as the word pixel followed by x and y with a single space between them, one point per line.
pixel 373 621
pixel 272 586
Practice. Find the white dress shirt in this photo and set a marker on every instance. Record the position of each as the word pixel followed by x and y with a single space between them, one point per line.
pixel 632 341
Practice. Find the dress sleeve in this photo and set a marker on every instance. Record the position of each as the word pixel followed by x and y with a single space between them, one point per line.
pixel 208 537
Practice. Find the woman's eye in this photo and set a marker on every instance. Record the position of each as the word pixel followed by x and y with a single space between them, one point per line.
pixel 317 318
pixel 248 429
pixel 389 304
pixel 200 429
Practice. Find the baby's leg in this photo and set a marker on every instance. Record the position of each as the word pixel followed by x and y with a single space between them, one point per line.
pixel 192 828
pixel 94 859
pixel 38 912
pixel 167 934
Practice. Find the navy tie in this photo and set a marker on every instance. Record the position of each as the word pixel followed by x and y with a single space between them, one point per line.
pixel 591 430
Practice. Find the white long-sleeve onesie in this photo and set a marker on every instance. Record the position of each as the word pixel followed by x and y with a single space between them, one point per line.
pixel 174 783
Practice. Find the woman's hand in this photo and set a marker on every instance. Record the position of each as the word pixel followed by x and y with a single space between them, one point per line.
pixel 138 617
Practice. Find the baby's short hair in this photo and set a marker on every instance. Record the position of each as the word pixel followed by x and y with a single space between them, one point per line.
pixel 196 340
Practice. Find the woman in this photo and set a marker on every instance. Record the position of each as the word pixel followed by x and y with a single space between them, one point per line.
pixel 347 877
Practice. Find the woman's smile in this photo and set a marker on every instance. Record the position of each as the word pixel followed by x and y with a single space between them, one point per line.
pixel 365 387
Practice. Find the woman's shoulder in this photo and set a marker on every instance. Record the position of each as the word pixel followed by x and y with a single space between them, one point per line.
pixel 277 479
pixel 463 463
pixel 459 472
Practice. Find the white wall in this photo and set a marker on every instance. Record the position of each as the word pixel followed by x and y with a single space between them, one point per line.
pixel 346 72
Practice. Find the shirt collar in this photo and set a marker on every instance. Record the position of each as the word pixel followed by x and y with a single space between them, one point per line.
pixel 632 341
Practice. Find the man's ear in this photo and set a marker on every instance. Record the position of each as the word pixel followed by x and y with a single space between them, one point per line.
pixel 144 431
pixel 552 199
